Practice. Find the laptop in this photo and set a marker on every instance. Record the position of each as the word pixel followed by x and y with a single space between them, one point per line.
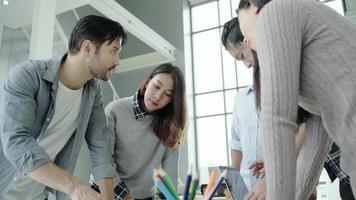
pixel 235 184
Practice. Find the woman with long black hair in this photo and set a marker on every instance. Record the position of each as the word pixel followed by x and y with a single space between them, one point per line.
pixel 146 130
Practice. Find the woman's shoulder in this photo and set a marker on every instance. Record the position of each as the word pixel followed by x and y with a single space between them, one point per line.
pixel 119 104
pixel 283 7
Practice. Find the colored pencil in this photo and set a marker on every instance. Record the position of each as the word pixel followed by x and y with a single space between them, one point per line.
pixel 187 185
pixel 193 186
pixel 168 183
pixel 160 185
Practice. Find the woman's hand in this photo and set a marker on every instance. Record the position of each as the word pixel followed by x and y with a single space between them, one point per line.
pixel 257 168
pixel 259 192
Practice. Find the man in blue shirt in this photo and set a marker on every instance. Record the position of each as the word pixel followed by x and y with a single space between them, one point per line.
pixel 49 107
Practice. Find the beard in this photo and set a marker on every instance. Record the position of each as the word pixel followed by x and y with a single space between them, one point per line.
pixel 98 70
pixel 102 75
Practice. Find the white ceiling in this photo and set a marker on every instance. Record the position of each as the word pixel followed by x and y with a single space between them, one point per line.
pixel 19 14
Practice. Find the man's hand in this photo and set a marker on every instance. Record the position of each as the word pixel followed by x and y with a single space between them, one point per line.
pixel 82 191
pixel 257 168
pixel 53 176
pixel 128 197
pixel 258 192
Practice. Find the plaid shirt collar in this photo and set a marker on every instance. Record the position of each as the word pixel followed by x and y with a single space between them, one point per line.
pixel 139 112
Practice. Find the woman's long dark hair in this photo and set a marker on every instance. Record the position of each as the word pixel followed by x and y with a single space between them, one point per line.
pixel 246 3
pixel 231 35
pixel 169 123
pixel 257 81
pixel 256 70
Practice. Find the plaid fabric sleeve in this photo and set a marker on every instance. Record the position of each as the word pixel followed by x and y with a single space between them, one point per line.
pixel 93 185
pixel 120 190
pixel 332 165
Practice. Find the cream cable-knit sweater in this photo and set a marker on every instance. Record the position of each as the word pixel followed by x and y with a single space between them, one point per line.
pixel 307 54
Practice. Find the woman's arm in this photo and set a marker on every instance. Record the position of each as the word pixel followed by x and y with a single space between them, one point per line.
pixel 279 39
pixel 300 138
pixel 235 144
pixel 257 168
pixel 311 157
pixel 236 158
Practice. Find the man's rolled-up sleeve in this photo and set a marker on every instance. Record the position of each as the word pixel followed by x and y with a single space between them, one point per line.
pixel 17 116
pixel 98 142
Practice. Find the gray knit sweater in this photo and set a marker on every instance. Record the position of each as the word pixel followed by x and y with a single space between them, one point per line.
pixel 307 54
pixel 136 150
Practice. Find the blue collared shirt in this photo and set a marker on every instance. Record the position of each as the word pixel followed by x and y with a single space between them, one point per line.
pixel 26 109
pixel 245 135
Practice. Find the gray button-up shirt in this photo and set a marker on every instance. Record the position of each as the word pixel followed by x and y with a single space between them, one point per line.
pixel 26 109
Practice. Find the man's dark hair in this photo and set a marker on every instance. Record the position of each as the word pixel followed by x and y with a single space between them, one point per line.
pixel 97 29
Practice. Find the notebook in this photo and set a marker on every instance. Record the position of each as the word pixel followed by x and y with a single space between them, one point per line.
pixel 236 185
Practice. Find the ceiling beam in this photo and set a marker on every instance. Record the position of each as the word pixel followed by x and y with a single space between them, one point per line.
pixel 135 26
pixel 61 32
pixel 110 8
pixel 141 61
pixel 10 17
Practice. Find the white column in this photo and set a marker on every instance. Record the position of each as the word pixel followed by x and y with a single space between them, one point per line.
pixel 1 30
pixel 3 67
pixel 44 13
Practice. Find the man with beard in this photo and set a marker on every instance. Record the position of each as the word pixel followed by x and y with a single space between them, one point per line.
pixel 49 107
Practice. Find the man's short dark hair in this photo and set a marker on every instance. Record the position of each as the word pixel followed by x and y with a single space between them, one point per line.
pixel 97 29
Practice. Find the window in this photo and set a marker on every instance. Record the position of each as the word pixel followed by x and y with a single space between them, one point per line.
pixel 336 5
pixel 216 78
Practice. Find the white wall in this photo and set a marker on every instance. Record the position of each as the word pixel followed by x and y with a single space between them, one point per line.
pixel 327 190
